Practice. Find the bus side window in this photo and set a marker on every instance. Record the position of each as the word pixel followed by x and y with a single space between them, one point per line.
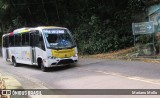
pixel 27 39
pixel 11 40
pixel 31 39
pixel 34 38
pixel 17 40
pixel 23 39
pixel 5 41
pixel 41 42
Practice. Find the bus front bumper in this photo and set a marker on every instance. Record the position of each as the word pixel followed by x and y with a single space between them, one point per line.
pixel 61 61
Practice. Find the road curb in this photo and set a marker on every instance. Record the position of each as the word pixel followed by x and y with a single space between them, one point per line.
pixel 2 82
pixel 12 83
pixel 8 82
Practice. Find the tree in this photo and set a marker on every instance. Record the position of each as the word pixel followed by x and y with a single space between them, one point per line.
pixel 98 25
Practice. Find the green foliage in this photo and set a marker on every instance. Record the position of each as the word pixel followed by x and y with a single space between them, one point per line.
pixel 145 49
pixel 98 25
pixel 148 39
pixel 102 34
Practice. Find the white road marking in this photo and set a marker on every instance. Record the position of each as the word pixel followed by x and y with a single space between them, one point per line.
pixel 146 80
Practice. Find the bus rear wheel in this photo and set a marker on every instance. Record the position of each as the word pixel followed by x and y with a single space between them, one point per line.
pixel 14 62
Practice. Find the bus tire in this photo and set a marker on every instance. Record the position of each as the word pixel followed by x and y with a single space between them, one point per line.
pixel 14 62
pixel 43 68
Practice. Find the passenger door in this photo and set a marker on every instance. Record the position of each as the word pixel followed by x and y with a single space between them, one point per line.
pixel 34 38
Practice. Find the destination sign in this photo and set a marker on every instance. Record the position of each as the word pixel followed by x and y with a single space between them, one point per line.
pixel 52 31
pixel 143 28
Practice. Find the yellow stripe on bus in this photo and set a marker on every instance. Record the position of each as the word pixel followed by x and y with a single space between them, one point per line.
pixel 23 31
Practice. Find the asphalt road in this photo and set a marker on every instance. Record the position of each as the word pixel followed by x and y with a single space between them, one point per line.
pixel 90 73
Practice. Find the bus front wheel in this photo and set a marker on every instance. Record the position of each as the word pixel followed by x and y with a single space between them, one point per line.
pixel 43 68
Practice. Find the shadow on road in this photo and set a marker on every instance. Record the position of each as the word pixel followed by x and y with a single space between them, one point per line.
pixel 51 69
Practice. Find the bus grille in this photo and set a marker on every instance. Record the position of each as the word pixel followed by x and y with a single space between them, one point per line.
pixel 66 61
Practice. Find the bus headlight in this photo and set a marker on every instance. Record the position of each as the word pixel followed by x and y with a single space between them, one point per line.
pixel 75 55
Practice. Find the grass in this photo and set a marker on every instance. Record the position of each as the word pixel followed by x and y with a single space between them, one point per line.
pixel 112 55
pixel 124 54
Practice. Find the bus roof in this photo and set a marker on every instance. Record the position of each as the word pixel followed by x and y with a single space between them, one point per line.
pixel 47 27
pixel 27 29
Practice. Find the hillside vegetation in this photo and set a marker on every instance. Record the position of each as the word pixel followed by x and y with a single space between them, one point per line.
pixel 98 26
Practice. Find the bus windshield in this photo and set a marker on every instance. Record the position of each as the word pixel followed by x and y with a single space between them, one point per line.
pixel 58 38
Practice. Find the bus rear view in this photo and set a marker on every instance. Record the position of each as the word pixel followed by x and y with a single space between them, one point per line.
pixel 45 47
